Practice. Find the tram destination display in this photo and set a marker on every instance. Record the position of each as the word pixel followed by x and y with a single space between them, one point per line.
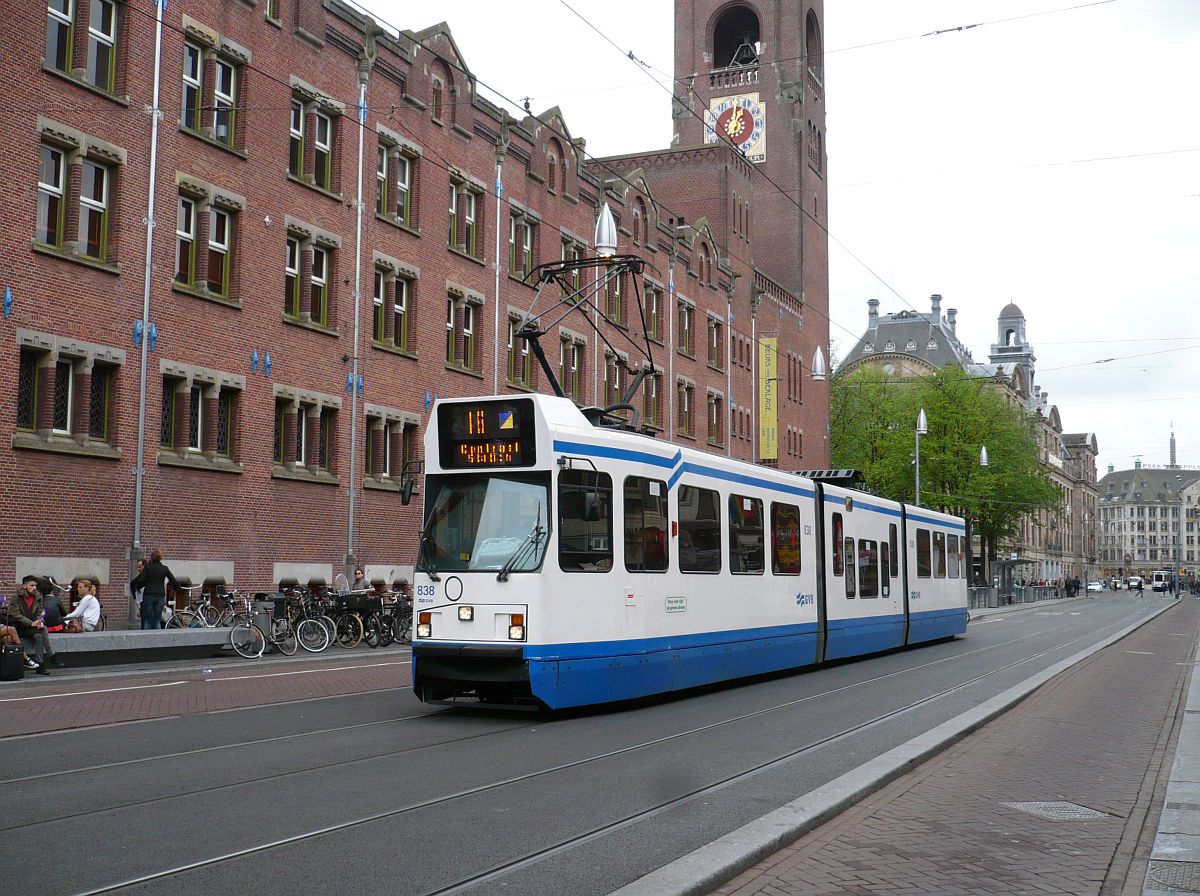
pixel 487 434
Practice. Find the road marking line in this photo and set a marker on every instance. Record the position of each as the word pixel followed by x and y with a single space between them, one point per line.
pixel 305 671
pixel 139 687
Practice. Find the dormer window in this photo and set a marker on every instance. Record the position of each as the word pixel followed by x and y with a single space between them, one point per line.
pixel 889 346
pixel 911 345
pixel 933 343
pixel 869 348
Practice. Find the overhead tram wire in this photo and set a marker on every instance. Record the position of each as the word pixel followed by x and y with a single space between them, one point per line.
pixel 617 175
pixel 687 84
pixel 641 65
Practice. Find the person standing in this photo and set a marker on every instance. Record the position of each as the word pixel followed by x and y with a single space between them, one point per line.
pixel 153 579
pixel 137 595
pixel 26 615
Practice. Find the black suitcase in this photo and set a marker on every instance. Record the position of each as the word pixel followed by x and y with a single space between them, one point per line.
pixel 12 663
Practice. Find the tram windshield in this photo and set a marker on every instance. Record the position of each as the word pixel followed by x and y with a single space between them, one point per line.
pixel 486 523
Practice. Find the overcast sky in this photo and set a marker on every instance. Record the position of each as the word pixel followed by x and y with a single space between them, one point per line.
pixel 1049 156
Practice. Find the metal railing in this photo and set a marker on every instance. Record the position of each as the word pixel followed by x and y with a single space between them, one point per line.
pixel 983 596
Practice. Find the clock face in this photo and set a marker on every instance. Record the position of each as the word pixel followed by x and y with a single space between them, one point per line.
pixel 741 121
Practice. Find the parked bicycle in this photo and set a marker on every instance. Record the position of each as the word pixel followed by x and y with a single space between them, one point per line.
pixel 250 640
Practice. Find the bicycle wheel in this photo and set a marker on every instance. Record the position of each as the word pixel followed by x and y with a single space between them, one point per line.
pixel 209 615
pixel 349 630
pixel 283 636
pixel 247 640
pixel 330 626
pixel 102 624
pixel 371 626
pixel 387 631
pixel 184 619
pixel 312 636
pixel 402 624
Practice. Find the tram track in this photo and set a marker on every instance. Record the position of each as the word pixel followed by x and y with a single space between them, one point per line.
pixel 662 806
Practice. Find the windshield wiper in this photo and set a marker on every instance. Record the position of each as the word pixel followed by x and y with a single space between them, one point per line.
pixel 531 541
pixel 425 552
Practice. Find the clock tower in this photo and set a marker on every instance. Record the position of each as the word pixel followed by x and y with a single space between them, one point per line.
pixel 751 73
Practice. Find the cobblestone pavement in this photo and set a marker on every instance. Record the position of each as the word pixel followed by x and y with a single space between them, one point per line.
pixel 1096 739
pixel 79 698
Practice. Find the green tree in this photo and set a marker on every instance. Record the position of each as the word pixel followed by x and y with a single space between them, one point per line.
pixel 873 427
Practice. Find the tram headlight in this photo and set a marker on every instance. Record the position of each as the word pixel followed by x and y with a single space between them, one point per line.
pixel 424 625
pixel 466 614
pixel 516 627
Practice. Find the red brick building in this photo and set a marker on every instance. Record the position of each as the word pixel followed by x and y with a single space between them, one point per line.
pixel 252 413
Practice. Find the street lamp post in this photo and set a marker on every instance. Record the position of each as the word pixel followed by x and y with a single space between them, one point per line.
pixel 922 429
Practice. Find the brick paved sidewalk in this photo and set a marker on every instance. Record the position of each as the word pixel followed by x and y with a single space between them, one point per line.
pixel 1098 737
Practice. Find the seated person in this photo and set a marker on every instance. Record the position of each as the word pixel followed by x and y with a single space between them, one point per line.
pixel 26 616
pixel 8 635
pixel 87 611
pixel 54 612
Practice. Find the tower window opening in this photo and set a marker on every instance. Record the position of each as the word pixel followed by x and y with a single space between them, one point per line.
pixel 736 39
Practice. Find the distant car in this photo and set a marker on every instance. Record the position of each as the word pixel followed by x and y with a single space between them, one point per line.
pixel 1094 586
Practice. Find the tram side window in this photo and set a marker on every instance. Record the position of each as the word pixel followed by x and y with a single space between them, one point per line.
pixel 952 556
pixel 785 539
pixel 939 555
pixel 924 561
pixel 868 568
pixel 836 542
pixel 645 524
pixel 747 551
pixel 849 550
pixel 893 551
pixel 584 521
pixel 699 529
pixel 885 565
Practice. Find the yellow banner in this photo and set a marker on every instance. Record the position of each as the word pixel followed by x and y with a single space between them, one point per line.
pixel 768 391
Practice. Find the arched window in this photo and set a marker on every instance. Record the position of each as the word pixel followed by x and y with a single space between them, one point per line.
pixel 736 39
pixel 554 153
pixel 814 57
pixel 641 226
pixel 706 274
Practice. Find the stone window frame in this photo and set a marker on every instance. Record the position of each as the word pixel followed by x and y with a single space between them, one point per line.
pixel 314 102
pixel 685 334
pixel 78 35
pixel 467 218
pixel 221 393
pixel 716 343
pixel 317 407
pixel 309 237
pixel 463 305
pixel 215 50
pixel 395 432
pixel 397 148
pixel 714 398
pixel 527 379
pixel 208 198
pixel 395 271
pixel 685 415
pixel 76 148
pixel 530 224
pixel 574 344
pixel 45 352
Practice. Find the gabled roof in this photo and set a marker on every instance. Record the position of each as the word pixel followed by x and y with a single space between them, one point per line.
pixel 913 334
pixel 1145 485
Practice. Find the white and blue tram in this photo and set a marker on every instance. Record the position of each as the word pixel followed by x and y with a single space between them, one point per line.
pixel 567 564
